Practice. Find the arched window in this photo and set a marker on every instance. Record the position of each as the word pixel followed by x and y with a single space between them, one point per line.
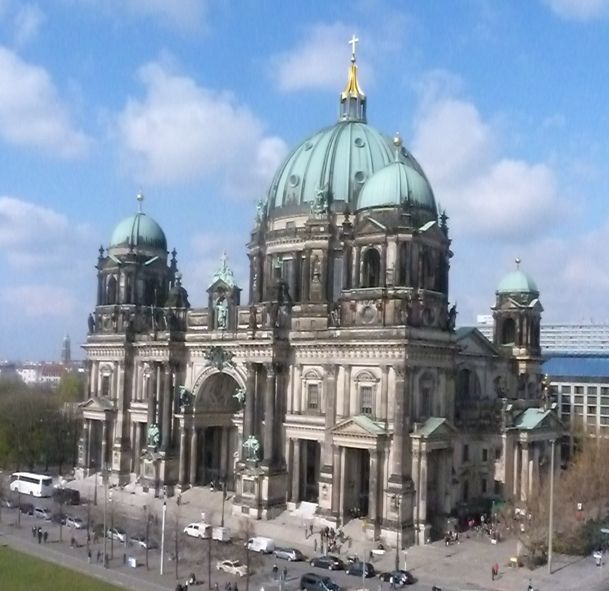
pixel 468 385
pixel 366 388
pixel 508 332
pixel 371 268
pixel 426 396
pixel 313 403
pixel 111 290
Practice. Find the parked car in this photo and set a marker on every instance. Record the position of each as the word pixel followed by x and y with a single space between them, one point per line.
pixel 232 567
pixel 141 542
pixel 75 522
pixel 117 533
pixel 399 578
pixel 198 530
pixel 220 534
pixel 291 554
pixel 42 513
pixel 66 496
pixel 327 561
pixel 261 544
pixel 315 582
pixel 27 508
pixel 361 569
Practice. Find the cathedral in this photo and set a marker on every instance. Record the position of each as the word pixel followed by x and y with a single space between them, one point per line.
pixel 342 380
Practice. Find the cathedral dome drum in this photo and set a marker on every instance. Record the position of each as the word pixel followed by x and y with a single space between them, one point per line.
pixel 517 282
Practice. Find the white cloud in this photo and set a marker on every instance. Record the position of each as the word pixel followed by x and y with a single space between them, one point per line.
pixel 181 131
pixel 28 20
pixel 484 193
pixel 319 61
pixel 36 300
pixel 33 236
pixel 579 10
pixel 31 112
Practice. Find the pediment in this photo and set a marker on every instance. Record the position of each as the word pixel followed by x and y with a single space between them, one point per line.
pixel 97 405
pixel 358 426
pixel 472 342
pixel 435 428
pixel 369 225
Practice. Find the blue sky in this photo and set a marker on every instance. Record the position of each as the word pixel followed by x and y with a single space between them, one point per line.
pixel 195 103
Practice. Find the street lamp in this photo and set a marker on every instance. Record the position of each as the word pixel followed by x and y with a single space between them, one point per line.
pixel 163 529
pixel 111 527
pixel 105 480
pixel 551 516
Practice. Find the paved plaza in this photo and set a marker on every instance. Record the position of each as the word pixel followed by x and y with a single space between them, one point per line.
pixel 463 566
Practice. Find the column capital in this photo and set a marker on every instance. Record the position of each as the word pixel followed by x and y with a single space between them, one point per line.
pixel 400 372
pixel 330 371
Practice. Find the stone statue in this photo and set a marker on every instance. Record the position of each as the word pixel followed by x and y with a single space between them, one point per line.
pixel 153 437
pixel 260 207
pixel 252 446
pixel 91 323
pixel 240 395
pixel 221 313
pixel 253 323
pixel 185 396
pixel 320 204
pixel 452 317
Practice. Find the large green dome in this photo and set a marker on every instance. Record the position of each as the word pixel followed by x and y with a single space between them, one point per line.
pixel 139 230
pixel 517 282
pixel 337 160
pixel 399 183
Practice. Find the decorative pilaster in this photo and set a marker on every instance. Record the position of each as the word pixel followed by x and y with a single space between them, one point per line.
pixel 193 456
pixel 269 414
pixel 330 420
pixel 182 464
pixel 373 486
pixel 249 414
pixel 166 409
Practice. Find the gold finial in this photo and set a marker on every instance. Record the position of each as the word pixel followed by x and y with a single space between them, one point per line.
pixel 140 200
pixel 397 142
pixel 353 42
pixel 518 261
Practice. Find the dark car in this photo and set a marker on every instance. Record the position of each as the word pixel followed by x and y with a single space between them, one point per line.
pixel 398 578
pixel 313 582
pixel 66 496
pixel 27 508
pixel 329 562
pixel 357 569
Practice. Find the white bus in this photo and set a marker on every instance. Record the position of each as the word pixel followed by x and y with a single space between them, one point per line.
pixel 36 485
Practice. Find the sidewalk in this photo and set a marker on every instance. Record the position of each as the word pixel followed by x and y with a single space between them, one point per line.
pixel 460 566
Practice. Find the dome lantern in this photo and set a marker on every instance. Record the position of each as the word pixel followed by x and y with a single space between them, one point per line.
pixel 352 98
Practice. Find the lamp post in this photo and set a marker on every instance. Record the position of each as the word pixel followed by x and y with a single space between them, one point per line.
pixel 163 530
pixel 105 480
pixel 397 503
pixel 147 517
pixel 95 485
pixel 223 500
pixel 178 503
pixel 111 527
pixel 551 509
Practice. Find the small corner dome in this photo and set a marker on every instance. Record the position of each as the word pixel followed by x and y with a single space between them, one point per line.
pixel 399 183
pixel 517 282
pixel 139 230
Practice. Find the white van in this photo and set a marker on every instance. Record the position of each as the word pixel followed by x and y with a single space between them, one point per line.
pixel 221 534
pixel 261 544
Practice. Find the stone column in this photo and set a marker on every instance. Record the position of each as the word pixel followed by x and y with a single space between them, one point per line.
pixel 422 511
pixel 516 471
pixel 87 429
pixel 295 452
pixel 249 414
pixel 330 420
pixel 383 270
pixel 224 447
pixel 104 442
pixel 297 405
pixel 132 430
pixel 269 414
pixel 373 487
pixel 137 447
pixel 193 455
pixel 524 478
pixel 166 409
pixel 337 482
pixel 356 274
pixel 341 483
pixel 182 465
pixel 306 277
pixel 346 284
pixel 347 391
pixel 384 400
pixel 400 432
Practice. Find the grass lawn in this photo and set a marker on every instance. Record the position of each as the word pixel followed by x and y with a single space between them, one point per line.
pixel 22 572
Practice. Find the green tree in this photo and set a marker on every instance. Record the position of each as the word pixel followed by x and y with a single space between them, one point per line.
pixel 71 387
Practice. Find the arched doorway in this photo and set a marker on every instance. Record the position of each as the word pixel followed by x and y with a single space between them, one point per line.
pixel 217 436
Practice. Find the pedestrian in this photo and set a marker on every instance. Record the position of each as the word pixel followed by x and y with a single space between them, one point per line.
pixel 311 529
pixel 40 535
pixel 34 531
pixel 98 556
pixel 275 571
pixel 215 586
pixel 314 544
pixel 493 572
pixel 124 558
pixel 496 569
pixel 235 588
pixel 89 556
pixel 45 536
pixel 285 573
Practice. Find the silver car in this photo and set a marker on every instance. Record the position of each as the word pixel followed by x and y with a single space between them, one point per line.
pixel 290 554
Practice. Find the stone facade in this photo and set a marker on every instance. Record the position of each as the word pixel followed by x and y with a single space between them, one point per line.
pixel 342 381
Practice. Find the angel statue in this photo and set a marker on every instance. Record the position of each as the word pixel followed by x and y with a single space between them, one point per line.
pixel 185 396
pixel 252 446
pixel 154 435
pixel 240 395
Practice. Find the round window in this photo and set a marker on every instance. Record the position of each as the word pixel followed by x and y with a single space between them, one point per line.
pixel 359 142
pixel 360 176
pixel 294 180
